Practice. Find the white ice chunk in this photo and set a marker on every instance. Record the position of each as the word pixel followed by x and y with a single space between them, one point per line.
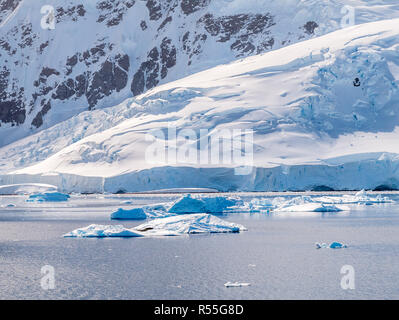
pixel 48 197
pixel 101 231
pixel 197 204
pixel 312 207
pixel 333 245
pixel 192 224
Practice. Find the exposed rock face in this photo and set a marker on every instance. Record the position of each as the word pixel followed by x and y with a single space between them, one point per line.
pixel 100 54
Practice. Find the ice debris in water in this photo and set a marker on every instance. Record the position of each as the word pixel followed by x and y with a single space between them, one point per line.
pixel 311 207
pixel 360 197
pixel 101 231
pixel 186 204
pixel 190 204
pixel 333 245
pixel 26 188
pixel 48 197
pixel 236 284
pixel 171 226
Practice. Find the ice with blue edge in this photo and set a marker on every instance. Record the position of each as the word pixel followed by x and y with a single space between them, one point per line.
pixel 102 231
pixel 192 224
pixel 48 197
pixel 191 204
pixel 133 214
pixel 218 205
pixel 170 226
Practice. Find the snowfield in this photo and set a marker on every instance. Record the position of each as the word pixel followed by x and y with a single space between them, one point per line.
pixel 323 112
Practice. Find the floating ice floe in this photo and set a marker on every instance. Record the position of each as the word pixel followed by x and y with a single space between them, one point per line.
pixel 333 245
pixel 10 205
pixel 311 204
pixel 171 226
pixel 133 214
pixel 101 231
pixel 48 197
pixel 236 284
pixel 186 204
pixel 26 188
pixel 304 204
pixel 192 224
pixel 197 204
pixel 311 207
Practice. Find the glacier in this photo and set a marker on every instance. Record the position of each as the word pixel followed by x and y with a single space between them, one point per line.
pixel 170 226
pixel 296 100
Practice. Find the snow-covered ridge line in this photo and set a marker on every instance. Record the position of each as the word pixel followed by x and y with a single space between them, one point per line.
pixel 370 174
pixel 126 47
pixel 324 115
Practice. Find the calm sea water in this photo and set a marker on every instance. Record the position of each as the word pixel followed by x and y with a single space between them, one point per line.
pixel 277 255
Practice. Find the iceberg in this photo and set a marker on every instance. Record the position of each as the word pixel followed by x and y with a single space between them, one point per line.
pixel 189 204
pixel 101 231
pixel 361 197
pixel 333 245
pixel 312 207
pixel 171 226
pixel 133 214
pixel 48 197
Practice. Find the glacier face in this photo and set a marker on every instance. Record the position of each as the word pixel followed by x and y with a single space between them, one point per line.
pixel 102 52
pixel 323 112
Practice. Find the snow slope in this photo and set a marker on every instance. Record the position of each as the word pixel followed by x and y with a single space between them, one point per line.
pixel 312 127
pixel 125 47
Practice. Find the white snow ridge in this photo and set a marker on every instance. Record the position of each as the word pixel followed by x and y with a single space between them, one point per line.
pixel 323 113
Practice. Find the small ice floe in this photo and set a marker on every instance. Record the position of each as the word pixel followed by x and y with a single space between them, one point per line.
pixel 171 226
pixel 192 224
pixel 10 205
pixel 236 284
pixel 333 245
pixel 48 197
pixel 361 198
pixel 311 207
pixel 133 214
pixel 101 231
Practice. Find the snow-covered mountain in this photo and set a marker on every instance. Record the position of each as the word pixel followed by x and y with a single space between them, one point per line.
pixel 102 52
pixel 324 113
